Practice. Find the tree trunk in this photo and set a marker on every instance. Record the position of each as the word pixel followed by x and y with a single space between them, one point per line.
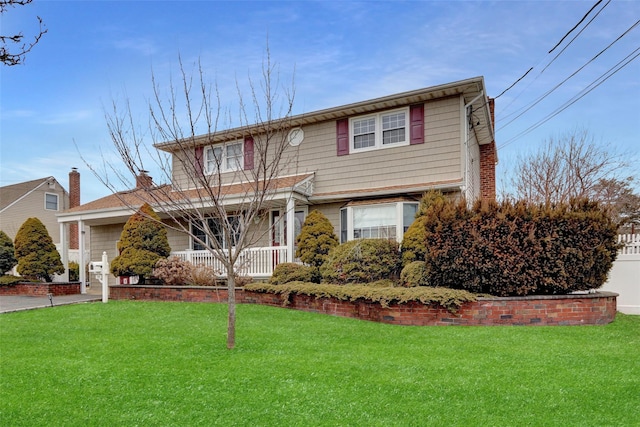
pixel 231 317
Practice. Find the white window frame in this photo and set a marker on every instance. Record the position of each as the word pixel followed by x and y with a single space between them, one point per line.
pixel 378 130
pixel 211 165
pixel 57 201
pixel 348 214
pixel 193 242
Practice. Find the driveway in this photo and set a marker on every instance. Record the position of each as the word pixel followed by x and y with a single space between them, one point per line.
pixel 9 304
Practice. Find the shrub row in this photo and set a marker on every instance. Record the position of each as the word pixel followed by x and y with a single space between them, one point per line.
pixel 451 299
pixel 519 248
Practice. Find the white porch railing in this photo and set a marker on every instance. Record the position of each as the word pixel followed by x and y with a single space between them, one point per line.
pixel 253 262
pixel 631 244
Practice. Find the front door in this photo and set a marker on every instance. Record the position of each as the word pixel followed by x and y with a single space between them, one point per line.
pixel 279 225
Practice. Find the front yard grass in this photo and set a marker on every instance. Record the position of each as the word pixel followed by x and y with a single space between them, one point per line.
pixel 166 364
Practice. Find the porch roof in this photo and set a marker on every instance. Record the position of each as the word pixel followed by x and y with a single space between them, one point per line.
pixel 395 190
pixel 118 207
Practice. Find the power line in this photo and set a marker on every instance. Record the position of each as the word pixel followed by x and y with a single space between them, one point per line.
pixel 557 44
pixel 604 77
pixel 576 36
pixel 537 101
pixel 576 26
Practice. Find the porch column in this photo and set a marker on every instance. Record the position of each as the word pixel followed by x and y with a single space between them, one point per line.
pixel 291 228
pixel 64 250
pixel 81 261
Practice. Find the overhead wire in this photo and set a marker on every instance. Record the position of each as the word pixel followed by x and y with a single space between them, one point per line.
pixel 506 116
pixel 547 93
pixel 604 77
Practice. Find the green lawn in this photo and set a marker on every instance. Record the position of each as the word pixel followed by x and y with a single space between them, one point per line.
pixel 146 363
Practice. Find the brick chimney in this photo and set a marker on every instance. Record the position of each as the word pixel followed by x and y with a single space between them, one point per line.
pixel 488 161
pixel 143 180
pixel 74 201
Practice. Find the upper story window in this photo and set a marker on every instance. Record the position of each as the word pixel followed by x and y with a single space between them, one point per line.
pixel 386 129
pixel 224 157
pixel 51 202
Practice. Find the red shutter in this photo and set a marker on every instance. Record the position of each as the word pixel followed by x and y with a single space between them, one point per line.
pixel 248 153
pixel 342 137
pixel 198 161
pixel 417 124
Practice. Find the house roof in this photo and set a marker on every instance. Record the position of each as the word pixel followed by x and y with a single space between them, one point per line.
pixel 473 91
pixel 10 194
pixel 117 207
pixel 449 185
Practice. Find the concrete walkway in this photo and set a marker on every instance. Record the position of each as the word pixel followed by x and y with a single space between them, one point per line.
pixel 10 304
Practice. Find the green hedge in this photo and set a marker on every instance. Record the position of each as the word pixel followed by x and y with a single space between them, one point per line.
pixel 519 248
pixel 361 261
pixel 286 272
pixel 451 299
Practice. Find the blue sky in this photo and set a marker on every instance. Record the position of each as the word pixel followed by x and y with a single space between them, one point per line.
pixel 52 107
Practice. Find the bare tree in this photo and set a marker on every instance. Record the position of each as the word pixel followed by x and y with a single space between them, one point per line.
pixel 575 166
pixel 17 57
pixel 211 198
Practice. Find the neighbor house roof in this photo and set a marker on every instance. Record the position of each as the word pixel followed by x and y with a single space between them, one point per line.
pixel 10 194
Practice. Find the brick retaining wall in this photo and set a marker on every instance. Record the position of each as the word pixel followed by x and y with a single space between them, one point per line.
pixel 41 289
pixel 588 309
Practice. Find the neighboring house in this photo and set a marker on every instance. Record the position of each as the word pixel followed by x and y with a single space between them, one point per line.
pixel 41 198
pixel 44 199
pixel 364 165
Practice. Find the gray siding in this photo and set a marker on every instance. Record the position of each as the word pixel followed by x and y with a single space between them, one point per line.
pixel 438 159
pixel 33 206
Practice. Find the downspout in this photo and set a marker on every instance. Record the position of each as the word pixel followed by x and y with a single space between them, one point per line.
pixel 465 188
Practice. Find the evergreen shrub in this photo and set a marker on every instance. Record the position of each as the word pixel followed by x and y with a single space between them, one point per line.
pixel 74 271
pixel 7 253
pixel 414 240
pixel 519 248
pixel 362 261
pixel 287 272
pixel 142 243
pixel 316 239
pixel 36 254
pixel 414 274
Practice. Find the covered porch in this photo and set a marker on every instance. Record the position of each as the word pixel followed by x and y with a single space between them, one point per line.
pixel 282 216
pixel 257 263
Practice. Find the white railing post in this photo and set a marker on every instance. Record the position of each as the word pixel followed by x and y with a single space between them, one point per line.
pixel 105 277
pixel 291 228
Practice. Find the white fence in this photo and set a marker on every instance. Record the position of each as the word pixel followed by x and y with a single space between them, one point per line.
pixel 624 277
pixel 253 262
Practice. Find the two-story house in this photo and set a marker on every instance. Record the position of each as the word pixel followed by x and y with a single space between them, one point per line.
pixel 364 165
pixel 40 198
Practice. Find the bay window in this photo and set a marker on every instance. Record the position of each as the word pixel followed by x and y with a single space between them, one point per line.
pixel 376 221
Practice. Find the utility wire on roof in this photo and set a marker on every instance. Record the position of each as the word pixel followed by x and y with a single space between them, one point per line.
pixel 537 101
pixel 604 77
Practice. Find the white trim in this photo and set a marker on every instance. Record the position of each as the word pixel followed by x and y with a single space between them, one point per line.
pixel 57 202
pixel 378 130
pixel 223 163
pixel 399 218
